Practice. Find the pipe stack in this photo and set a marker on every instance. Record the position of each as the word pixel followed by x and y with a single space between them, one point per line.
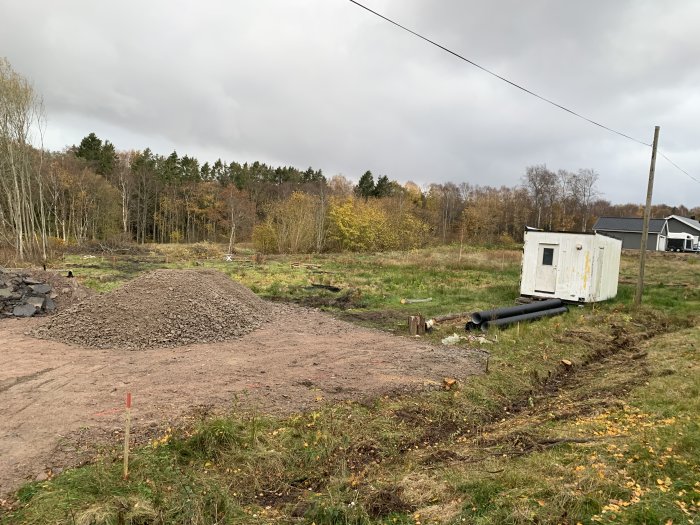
pixel 515 314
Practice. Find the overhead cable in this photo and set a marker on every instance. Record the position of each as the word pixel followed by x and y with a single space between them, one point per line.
pixel 516 85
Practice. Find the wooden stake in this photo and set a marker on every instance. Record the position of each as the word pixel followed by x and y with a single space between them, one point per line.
pixel 647 215
pixel 127 430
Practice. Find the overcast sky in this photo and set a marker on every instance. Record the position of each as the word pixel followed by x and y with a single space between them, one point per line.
pixel 326 84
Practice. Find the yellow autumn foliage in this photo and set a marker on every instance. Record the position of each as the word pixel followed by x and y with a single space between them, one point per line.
pixel 359 225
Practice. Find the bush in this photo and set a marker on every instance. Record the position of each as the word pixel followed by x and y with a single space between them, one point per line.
pixel 206 250
pixel 264 238
pixel 357 225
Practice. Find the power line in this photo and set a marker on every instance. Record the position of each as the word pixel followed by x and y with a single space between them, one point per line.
pixel 545 99
pixel 679 168
pixel 518 86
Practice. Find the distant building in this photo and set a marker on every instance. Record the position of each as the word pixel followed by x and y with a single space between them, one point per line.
pixel 678 224
pixel 683 234
pixel 629 230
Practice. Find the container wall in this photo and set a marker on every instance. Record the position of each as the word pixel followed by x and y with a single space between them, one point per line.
pixel 584 268
pixel 572 265
pixel 607 278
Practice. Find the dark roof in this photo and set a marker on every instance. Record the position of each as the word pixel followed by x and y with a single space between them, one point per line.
pixel 690 222
pixel 627 224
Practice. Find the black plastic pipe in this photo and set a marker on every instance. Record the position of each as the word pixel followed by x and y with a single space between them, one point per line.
pixel 505 321
pixel 471 326
pixel 509 311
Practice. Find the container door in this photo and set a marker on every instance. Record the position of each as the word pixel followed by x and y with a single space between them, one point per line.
pixel 546 273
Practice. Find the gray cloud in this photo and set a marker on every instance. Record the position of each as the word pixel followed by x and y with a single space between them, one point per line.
pixel 326 84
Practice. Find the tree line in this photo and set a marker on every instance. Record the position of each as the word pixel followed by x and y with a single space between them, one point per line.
pixel 94 191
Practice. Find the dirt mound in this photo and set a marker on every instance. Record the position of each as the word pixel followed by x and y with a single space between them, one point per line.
pixel 161 308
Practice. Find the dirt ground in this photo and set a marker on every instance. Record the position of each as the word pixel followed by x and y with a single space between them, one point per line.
pixel 58 402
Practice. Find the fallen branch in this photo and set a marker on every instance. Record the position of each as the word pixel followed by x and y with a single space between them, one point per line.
pixel 324 287
pixel 449 317
pixel 557 441
pixel 305 265
pixel 411 301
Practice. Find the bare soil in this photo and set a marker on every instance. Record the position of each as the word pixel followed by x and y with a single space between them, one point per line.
pixel 58 402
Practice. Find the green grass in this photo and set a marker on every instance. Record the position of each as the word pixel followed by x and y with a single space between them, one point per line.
pixel 641 465
pixel 471 455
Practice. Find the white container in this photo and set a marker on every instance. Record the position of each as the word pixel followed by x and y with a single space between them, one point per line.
pixel 577 267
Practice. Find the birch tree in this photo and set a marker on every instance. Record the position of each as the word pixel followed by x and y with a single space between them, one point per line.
pixel 22 214
pixel 586 190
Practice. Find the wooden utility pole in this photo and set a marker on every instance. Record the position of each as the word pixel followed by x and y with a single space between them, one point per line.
pixel 647 215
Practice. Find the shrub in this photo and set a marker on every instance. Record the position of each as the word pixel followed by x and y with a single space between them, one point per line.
pixel 264 238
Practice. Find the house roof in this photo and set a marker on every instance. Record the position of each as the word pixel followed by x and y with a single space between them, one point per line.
pixel 690 222
pixel 627 224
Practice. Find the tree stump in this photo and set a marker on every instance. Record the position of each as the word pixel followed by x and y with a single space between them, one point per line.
pixel 416 325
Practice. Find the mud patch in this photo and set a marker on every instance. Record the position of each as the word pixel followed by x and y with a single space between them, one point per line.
pixel 387 500
pixel 376 318
pixel 339 301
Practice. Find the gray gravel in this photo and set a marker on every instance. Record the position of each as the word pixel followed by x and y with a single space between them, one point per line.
pixel 164 308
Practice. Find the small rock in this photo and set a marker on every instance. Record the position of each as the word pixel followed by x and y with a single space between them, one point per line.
pixel 37 301
pixel 24 310
pixel 41 476
pixel 49 305
pixel 30 280
pixel 40 288
pixel 448 383
pixel 5 292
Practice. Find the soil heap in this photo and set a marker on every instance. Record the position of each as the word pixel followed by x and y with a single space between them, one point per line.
pixel 164 308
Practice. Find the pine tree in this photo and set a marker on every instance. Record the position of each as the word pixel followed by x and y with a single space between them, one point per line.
pixel 365 188
pixel 383 187
pixel 90 148
pixel 107 159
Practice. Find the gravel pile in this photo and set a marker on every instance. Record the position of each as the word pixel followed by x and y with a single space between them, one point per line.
pixel 164 308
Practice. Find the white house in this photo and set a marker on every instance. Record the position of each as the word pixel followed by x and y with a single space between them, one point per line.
pixel 577 267
pixel 663 233
pixel 629 231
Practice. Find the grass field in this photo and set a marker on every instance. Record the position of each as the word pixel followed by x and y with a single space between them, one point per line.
pixel 611 439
